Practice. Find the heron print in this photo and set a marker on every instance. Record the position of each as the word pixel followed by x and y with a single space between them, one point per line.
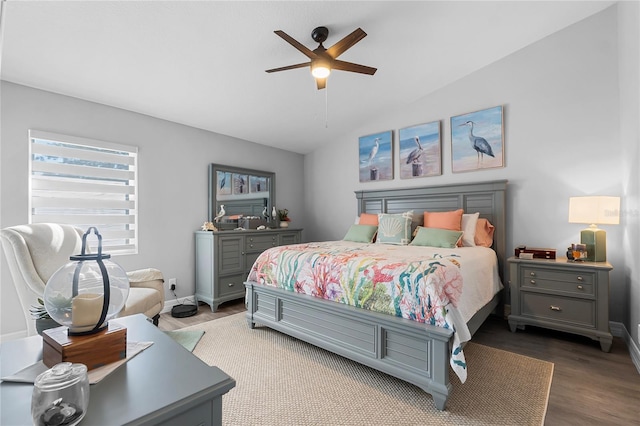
pixel 477 140
pixel 376 157
pixel 420 153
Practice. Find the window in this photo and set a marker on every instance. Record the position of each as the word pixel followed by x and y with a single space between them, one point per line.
pixel 85 182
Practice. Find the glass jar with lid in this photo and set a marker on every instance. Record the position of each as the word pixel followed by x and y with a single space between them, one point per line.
pixel 60 395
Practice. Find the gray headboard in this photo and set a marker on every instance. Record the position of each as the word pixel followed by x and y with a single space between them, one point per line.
pixel 487 198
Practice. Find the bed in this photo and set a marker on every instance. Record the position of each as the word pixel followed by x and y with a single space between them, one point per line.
pixel 418 352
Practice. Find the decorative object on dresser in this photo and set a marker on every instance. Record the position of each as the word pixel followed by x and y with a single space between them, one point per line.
pixel 283 217
pixel 561 295
pixel 224 258
pixel 477 140
pixel 599 210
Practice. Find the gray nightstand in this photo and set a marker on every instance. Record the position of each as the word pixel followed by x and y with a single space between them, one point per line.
pixel 561 295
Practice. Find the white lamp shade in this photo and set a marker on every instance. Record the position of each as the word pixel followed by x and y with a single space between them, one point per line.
pixel 599 210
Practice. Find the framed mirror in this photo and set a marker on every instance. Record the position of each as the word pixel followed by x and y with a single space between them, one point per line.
pixel 243 192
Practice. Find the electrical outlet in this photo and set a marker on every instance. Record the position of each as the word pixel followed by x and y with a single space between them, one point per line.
pixel 172 283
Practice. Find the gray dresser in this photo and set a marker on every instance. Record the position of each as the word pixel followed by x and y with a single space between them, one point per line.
pixel 561 295
pixel 224 259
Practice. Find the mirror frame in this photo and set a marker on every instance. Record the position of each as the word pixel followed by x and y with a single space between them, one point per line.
pixel 214 204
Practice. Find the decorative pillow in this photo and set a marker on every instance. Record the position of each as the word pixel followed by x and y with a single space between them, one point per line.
pixel 361 233
pixel 444 220
pixel 484 233
pixel 368 219
pixel 394 228
pixel 468 227
pixel 436 237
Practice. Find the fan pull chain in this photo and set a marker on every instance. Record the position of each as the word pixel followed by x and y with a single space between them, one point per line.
pixel 326 106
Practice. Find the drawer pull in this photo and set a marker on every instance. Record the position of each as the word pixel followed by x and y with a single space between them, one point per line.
pixel 251 245
pixel 533 282
pixel 579 287
pixel 230 284
pixel 555 308
pixel 579 278
pixel 251 239
pixel 242 253
pixel 533 274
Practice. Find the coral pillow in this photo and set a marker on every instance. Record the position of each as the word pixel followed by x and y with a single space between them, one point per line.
pixel 368 219
pixel 484 233
pixel 444 220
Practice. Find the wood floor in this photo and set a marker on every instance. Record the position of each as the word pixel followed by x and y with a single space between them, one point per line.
pixel 589 387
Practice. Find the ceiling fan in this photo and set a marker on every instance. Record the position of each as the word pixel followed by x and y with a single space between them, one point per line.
pixel 322 60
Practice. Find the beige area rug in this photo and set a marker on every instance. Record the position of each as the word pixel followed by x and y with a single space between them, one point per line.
pixel 284 381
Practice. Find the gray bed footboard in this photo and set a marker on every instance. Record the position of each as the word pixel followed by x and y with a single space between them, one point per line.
pixel 411 351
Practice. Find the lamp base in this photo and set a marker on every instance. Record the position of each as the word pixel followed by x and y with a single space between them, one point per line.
pixel 596 241
pixel 93 350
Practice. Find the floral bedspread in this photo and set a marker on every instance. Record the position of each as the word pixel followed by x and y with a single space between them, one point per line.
pixel 405 281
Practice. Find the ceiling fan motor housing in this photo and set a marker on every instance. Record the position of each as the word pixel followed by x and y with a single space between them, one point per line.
pixel 320 34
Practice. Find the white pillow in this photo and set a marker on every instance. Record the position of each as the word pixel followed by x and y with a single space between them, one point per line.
pixel 468 226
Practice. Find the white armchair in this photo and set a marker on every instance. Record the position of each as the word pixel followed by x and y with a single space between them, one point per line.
pixel 34 252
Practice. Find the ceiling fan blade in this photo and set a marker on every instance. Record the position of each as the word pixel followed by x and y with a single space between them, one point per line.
pixel 340 47
pixel 321 83
pixel 349 66
pixel 295 43
pixel 290 67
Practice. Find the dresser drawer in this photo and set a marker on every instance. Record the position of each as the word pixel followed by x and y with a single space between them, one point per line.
pixel 260 242
pixel 581 312
pixel 232 284
pixel 570 282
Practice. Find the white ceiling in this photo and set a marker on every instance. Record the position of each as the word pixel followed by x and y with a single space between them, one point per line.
pixel 202 63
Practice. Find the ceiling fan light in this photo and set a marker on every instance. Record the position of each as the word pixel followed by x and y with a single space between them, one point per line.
pixel 320 70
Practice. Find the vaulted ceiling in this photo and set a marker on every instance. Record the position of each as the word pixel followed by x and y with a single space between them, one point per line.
pixel 203 63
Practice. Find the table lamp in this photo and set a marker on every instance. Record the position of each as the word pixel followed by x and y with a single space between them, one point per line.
pixel 594 210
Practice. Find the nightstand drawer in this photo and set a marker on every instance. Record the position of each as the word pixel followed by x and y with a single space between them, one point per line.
pixel 570 282
pixel 261 242
pixel 580 312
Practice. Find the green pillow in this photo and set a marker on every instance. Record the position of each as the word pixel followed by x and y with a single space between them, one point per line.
pixel 435 237
pixel 361 233
pixel 394 228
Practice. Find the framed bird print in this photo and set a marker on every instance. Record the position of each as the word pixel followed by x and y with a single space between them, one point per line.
pixel 477 140
pixel 375 153
pixel 420 151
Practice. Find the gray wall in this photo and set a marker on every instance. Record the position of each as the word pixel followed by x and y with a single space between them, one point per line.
pixel 172 187
pixel 562 138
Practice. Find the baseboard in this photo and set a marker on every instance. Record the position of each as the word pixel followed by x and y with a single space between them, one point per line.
pixel 619 330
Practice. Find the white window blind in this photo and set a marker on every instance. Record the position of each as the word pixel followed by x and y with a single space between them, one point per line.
pixel 85 182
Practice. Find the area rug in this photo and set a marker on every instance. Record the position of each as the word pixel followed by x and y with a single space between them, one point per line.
pixel 187 338
pixel 284 381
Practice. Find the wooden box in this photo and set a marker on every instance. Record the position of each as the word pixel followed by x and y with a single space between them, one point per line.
pixel 535 253
pixel 93 350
